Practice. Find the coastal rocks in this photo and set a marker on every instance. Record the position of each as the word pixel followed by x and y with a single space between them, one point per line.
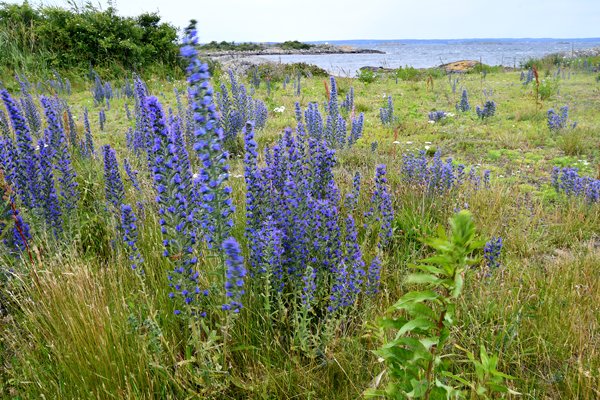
pixel 274 50
pixel 459 66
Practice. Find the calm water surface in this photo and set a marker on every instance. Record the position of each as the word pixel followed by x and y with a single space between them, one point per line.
pixel 430 53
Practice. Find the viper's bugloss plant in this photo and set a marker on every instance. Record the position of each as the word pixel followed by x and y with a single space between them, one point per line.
pixel 214 196
pixel 237 107
pixel 176 213
pixel 29 108
pixel 132 175
pixel 48 199
pixel 113 184
pixel 235 272
pixel 26 179
pixel 464 105
pixel 418 360
pixel 55 135
pixel 14 232
pixel 88 145
pixel 568 181
pixel 436 176
pixel 492 251
pixel 129 230
pixel 386 114
pixel 334 130
pixel 436 116
pixel 559 121
pixel 488 110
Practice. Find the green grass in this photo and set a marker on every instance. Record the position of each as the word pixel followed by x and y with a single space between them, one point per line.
pixel 83 325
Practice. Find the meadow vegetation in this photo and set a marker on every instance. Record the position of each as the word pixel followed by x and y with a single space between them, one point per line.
pixel 147 255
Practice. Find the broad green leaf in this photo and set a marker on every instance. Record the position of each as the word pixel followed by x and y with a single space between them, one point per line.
pixel 414 297
pixel 418 323
pixel 423 278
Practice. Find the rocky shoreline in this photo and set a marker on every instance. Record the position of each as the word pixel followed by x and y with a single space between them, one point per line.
pixel 275 51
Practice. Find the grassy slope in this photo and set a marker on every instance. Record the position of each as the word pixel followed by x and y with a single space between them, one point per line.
pixel 81 330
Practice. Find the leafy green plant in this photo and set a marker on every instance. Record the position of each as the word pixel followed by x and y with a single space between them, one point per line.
pixel 548 88
pixel 366 75
pixel 417 360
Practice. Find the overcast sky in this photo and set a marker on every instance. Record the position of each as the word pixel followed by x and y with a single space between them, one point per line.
pixel 306 20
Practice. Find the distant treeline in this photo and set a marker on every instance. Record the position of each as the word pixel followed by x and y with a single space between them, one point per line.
pixel 232 46
pixel 49 37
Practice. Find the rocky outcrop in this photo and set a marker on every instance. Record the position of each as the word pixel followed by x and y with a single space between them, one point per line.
pixel 274 51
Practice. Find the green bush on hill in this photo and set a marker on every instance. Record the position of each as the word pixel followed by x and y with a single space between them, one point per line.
pixel 59 38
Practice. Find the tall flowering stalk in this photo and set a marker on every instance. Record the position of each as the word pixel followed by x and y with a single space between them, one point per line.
pixel 234 275
pixel 26 176
pixel 113 184
pixel 48 203
pixel 214 196
pixel 176 213
pixel 14 232
pixel 29 108
pixel 464 105
pixel 492 251
pixel 386 114
pixel 67 177
pixel 88 145
pixel 381 206
pixel 130 235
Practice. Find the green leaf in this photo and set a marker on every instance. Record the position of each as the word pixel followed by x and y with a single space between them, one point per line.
pixel 428 268
pixel 418 323
pixel 414 297
pixel 423 278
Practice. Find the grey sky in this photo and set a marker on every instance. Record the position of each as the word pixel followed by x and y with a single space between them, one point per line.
pixel 278 20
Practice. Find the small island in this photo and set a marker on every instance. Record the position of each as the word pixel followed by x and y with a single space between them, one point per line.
pixel 216 49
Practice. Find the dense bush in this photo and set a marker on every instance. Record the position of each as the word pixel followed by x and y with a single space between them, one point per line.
pixel 79 37
pixel 231 46
pixel 295 45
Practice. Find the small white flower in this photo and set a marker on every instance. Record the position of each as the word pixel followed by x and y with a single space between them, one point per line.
pixel 450 114
pixel 409 142
pixel 237 176
pixel 427 142
pixel 396 142
pixel 195 176
pixel 431 122
pixel 427 147
pixel 279 109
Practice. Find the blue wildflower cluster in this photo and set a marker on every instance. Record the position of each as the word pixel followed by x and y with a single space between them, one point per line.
pixel 559 121
pixel 48 198
pixel 102 119
pixel 14 232
pixel 23 174
pixel 464 105
pixel 527 78
pixel 113 184
pixel 214 197
pixel 54 134
pixel 234 275
pixel 237 107
pixel 294 223
pixel 334 130
pixel 386 114
pixel 435 175
pixel 569 182
pixel 488 110
pixel 492 251
pixel 348 103
pixel 29 107
pixel 436 116
pixel 87 146
pixel 129 231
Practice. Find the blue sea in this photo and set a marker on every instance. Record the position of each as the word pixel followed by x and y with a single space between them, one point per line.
pixel 430 53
